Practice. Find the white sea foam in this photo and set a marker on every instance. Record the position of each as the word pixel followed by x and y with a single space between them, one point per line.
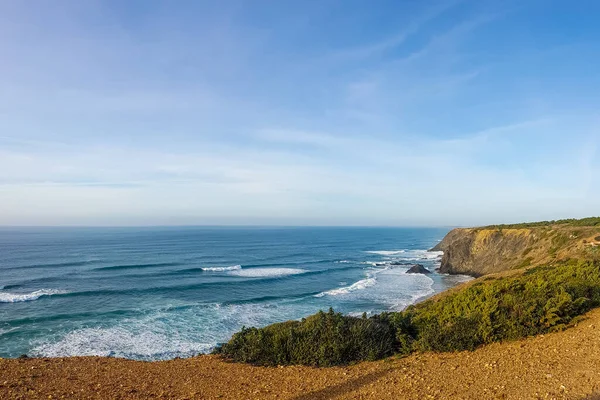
pixel 18 297
pixel 362 284
pixel 343 262
pixel 389 285
pixel 267 272
pixel 425 254
pixel 377 263
pixel 422 286
pixel 221 269
pixel 387 252
pixel 411 255
pixel 120 342
pixel 3 331
pixel 166 333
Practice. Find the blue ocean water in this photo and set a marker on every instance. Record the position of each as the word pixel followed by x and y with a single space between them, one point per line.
pixel 160 293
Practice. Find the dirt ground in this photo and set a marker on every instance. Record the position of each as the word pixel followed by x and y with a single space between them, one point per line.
pixel 563 365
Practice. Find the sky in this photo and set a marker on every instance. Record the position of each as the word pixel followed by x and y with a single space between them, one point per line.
pixel 314 112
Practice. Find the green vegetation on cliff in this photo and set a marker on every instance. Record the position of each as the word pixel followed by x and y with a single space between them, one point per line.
pixel 538 300
pixel 497 248
pixel 590 221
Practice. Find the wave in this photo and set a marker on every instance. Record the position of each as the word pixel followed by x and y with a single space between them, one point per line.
pixel 136 266
pixel 265 299
pixel 55 265
pixel 377 263
pixel 423 255
pixel 261 274
pixel 217 269
pixel 409 255
pixel 5 331
pixel 362 284
pixel 19 297
pixel 13 286
pixel 386 252
pixel 267 272
pixel 283 264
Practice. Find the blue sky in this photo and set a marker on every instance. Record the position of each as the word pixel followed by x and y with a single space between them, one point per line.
pixel 298 112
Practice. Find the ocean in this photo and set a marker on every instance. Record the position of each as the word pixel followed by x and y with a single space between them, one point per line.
pixel 161 293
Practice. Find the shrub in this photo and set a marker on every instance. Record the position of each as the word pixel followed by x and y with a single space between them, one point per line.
pixel 323 339
pixel 539 300
pixel 542 299
pixel 590 221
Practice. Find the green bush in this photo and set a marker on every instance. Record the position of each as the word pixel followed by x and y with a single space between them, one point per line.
pixel 540 300
pixel 323 339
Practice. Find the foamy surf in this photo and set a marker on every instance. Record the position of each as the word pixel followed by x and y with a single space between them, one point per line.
pixel 19 297
pixel 121 342
pixel 386 252
pixel 360 285
pixel 267 272
pixel 409 254
pixel 377 263
pixel 415 255
pixel 221 269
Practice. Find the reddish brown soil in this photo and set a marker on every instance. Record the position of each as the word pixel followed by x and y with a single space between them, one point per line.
pixel 555 366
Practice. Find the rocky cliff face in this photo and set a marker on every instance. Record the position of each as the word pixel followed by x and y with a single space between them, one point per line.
pixel 481 251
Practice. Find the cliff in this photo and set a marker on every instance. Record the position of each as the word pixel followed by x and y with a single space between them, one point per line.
pixel 485 250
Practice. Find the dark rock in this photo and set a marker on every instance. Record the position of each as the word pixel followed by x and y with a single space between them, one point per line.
pixel 418 269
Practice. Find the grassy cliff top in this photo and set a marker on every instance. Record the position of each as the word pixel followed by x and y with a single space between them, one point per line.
pixel 590 221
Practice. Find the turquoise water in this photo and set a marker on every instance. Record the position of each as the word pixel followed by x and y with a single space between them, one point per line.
pixel 160 293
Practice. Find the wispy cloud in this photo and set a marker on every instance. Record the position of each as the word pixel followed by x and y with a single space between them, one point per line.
pixel 390 42
pixel 208 115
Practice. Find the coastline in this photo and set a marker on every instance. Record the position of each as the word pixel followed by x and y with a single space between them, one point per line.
pixel 198 313
pixel 562 365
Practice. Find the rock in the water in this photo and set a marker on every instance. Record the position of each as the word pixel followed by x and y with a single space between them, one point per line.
pixel 418 269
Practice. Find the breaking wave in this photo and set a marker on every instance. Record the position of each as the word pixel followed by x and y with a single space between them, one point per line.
pixel 267 272
pixel 221 269
pixel 19 297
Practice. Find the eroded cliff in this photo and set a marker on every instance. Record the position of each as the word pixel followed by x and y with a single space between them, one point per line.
pixel 481 251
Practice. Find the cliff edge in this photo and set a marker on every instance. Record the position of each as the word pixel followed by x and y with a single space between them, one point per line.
pixel 497 248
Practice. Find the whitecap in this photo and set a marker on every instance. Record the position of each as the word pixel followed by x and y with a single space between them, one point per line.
pixel 19 297
pixel 377 263
pixel 415 255
pixel 3 331
pixel 221 269
pixel 267 272
pixel 362 284
pixel 387 252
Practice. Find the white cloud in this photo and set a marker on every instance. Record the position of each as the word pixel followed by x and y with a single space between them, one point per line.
pixel 118 126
